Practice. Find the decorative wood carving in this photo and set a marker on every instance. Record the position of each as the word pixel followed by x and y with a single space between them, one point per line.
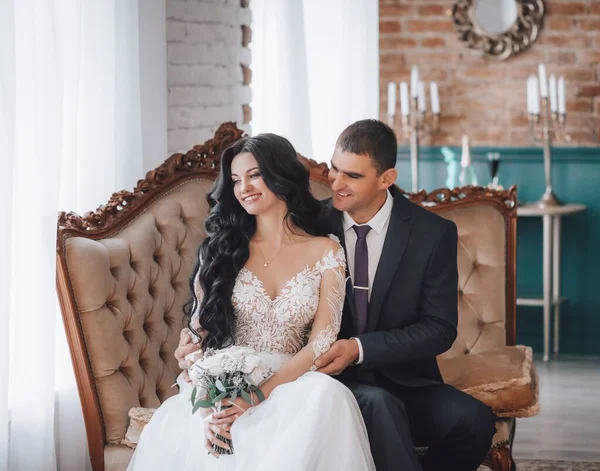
pixel 445 196
pixel 519 37
pixel 499 459
pixel 318 171
pixel 201 160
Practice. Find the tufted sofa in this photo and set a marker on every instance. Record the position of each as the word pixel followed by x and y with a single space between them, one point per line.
pixel 122 279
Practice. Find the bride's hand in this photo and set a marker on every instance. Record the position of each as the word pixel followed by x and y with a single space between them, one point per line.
pixel 211 431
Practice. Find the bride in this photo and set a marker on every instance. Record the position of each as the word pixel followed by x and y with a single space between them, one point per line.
pixel 265 279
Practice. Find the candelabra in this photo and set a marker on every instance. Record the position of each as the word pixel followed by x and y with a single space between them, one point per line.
pixel 415 125
pixel 416 122
pixel 547 119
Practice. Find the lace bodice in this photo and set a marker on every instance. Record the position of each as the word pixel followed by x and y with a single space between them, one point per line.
pixel 307 311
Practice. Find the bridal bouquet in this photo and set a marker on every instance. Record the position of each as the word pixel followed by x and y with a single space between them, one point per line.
pixel 224 374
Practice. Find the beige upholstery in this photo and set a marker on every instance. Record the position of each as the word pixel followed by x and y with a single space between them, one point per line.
pixel 504 378
pixel 481 279
pixel 122 298
pixel 130 290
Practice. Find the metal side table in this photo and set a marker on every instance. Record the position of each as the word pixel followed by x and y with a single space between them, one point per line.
pixel 551 299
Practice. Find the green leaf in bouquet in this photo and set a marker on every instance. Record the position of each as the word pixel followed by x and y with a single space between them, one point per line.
pixel 221 396
pixel 194 395
pixel 246 396
pixel 201 403
pixel 234 395
pixel 220 385
pixel 259 394
pixel 212 394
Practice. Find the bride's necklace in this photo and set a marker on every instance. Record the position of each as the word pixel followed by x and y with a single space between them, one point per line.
pixel 266 264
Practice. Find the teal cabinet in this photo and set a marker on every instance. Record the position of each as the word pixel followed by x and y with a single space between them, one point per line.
pixel 576 179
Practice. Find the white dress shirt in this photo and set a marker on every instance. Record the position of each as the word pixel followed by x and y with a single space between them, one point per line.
pixel 375 239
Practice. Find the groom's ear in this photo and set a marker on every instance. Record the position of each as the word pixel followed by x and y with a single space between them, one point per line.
pixel 388 178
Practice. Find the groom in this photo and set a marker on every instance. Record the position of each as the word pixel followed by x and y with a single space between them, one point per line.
pixel 400 313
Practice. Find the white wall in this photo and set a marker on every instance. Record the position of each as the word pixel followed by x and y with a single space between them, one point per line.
pixel 204 69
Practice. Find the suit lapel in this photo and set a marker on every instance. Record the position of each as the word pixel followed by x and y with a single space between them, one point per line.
pixel 393 247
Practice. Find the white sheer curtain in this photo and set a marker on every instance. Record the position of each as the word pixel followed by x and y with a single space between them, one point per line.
pixel 70 134
pixel 315 69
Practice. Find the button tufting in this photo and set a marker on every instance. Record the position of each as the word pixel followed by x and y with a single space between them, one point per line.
pixel 155 257
pixel 466 351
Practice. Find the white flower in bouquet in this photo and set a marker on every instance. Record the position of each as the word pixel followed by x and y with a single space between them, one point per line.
pixel 228 373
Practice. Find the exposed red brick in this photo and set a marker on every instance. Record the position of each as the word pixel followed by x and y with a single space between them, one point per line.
pixel 394 59
pixel 520 120
pixel 590 24
pixel 389 27
pixel 246 35
pixel 561 58
pixel 396 42
pixel 576 74
pixel 580 105
pixel 589 90
pixel 478 73
pixel 433 10
pixel 429 26
pixel 395 11
pixel 433 42
pixel 560 23
pixel 588 57
pixel 595 8
pixel 247 113
pixel 247 75
pixel 571 8
pixel 564 41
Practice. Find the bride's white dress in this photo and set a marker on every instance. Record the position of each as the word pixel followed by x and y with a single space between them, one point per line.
pixel 313 423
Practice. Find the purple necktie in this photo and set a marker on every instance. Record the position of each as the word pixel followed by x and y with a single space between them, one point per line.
pixel 361 276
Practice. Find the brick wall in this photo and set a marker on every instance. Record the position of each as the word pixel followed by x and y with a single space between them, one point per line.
pixel 486 98
pixel 208 70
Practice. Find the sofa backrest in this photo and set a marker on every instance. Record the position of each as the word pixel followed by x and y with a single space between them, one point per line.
pixel 123 271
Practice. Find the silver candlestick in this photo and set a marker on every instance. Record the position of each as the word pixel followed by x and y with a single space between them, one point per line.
pixel 414 125
pixel 544 127
pixel 547 119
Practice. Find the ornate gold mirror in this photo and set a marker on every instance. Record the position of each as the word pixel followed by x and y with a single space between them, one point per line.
pixel 498 28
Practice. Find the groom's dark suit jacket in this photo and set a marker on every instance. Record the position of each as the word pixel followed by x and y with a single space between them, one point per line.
pixel 412 314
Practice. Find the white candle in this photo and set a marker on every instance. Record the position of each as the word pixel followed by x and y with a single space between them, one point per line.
pixel 421 100
pixel 562 108
pixel 391 110
pixel 529 95
pixel 543 81
pixel 553 95
pixel 535 99
pixel 435 98
pixel 465 160
pixel 414 81
pixel 404 100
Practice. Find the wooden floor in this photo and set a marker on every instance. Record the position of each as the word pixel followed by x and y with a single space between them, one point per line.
pixel 568 426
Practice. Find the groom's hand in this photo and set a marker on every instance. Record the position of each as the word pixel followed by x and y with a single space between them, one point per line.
pixel 341 354
pixel 185 348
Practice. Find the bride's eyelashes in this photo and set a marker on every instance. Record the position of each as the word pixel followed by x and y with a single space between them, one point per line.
pixel 253 176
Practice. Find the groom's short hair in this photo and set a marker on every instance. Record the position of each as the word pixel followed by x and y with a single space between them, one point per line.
pixel 373 138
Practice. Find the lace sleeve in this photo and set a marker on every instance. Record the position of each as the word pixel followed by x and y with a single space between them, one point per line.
pixel 327 321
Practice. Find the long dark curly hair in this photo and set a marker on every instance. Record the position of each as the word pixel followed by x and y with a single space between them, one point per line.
pixel 229 228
